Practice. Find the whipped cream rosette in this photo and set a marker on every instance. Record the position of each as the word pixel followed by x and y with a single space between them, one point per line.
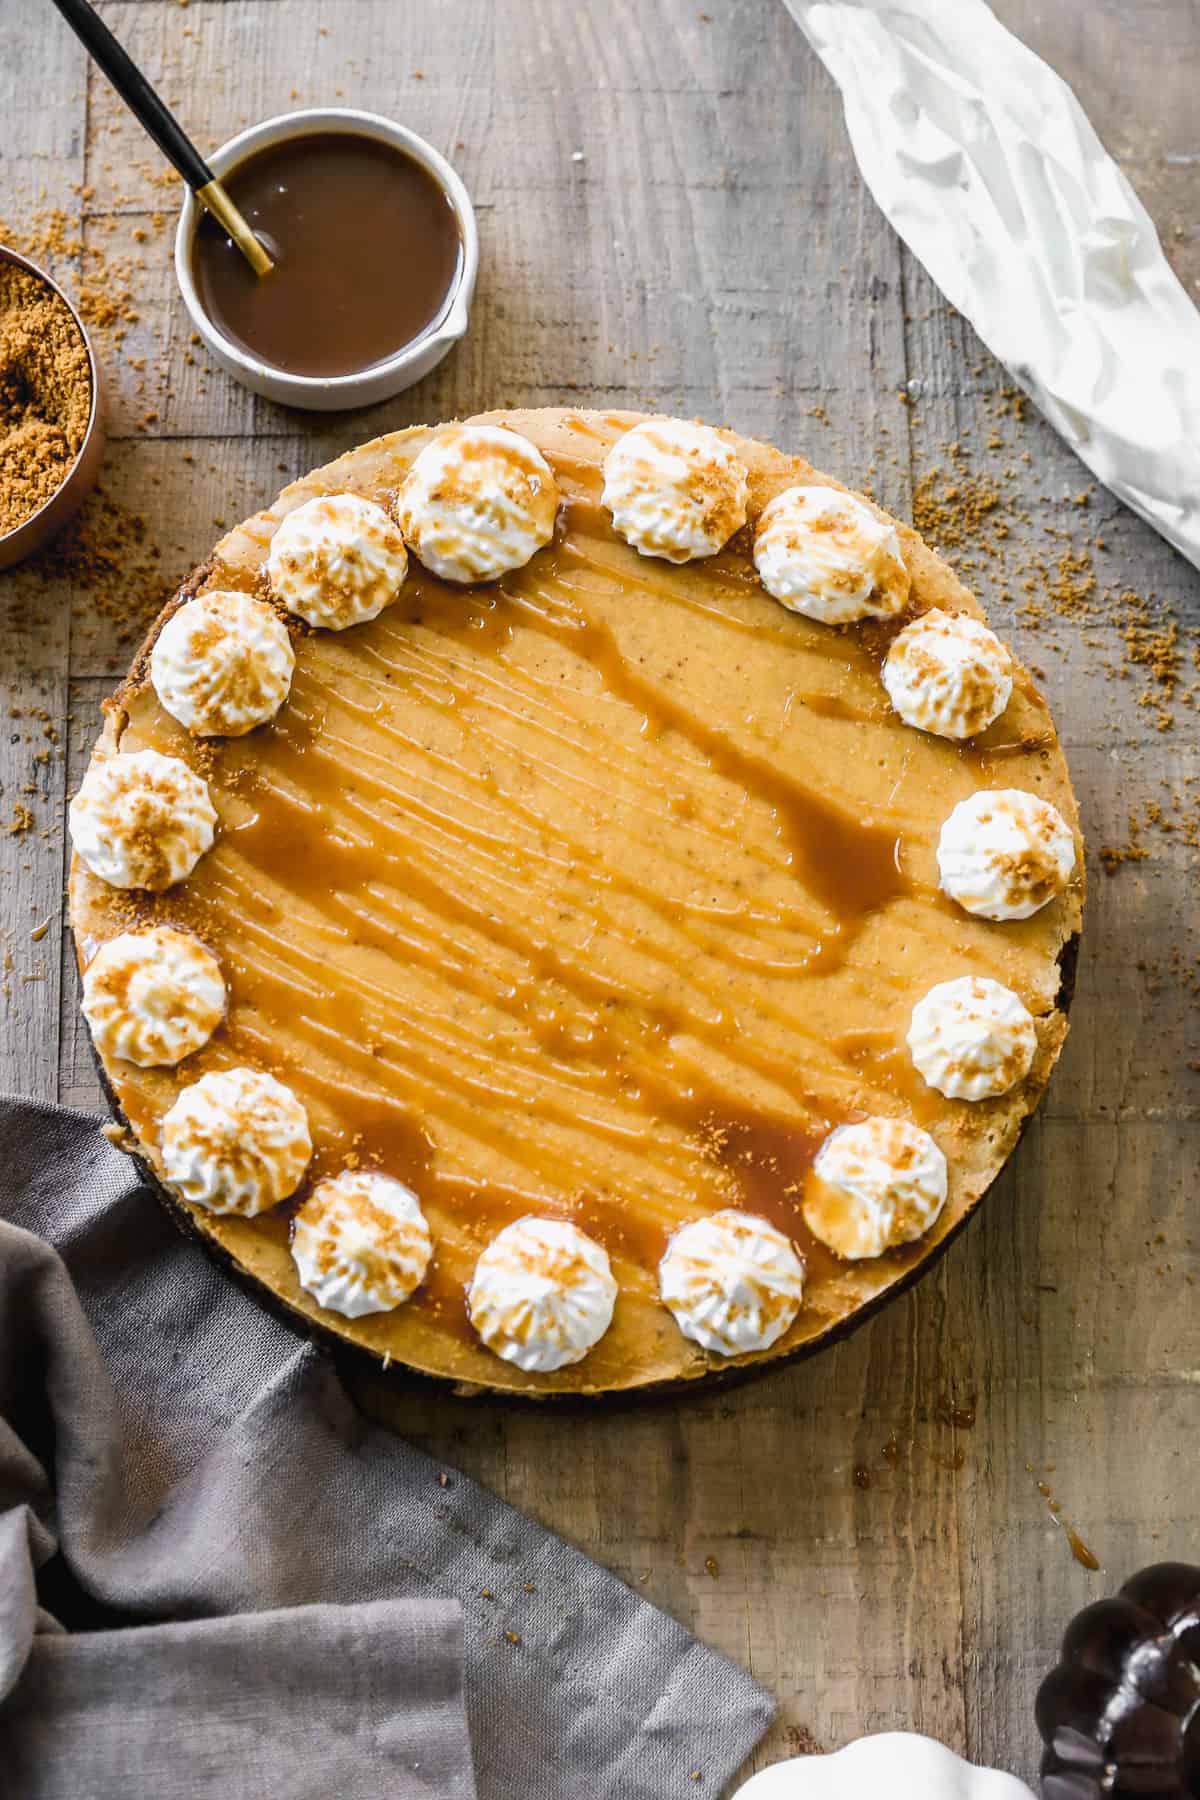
pixel 141 820
pixel 542 1294
pixel 337 561
pixel 361 1243
pixel 236 1141
pixel 1004 854
pixel 675 489
pixel 733 1282
pixel 479 501
pixel 153 996
pixel 873 1185
pixel 223 664
pixel 827 555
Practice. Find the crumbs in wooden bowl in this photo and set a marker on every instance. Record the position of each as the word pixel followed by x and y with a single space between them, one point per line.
pixel 45 393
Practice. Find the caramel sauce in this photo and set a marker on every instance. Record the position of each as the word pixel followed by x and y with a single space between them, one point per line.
pixel 836 706
pixel 550 897
pixel 366 249
pixel 852 866
pixel 962 1418
pixel 769 1160
pixel 885 1064
pixel 1086 1557
pixel 1079 1550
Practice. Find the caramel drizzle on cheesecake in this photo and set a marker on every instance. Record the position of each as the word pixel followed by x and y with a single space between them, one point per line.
pixel 528 896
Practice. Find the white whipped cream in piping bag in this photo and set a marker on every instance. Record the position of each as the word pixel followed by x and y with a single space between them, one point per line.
pixel 983 160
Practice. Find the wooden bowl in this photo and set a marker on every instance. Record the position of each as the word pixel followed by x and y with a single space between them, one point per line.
pixel 35 532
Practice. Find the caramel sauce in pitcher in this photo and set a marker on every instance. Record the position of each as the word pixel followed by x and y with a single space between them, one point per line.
pixel 366 249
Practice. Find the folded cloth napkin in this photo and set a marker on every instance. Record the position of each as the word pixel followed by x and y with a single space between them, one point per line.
pixel 297 1595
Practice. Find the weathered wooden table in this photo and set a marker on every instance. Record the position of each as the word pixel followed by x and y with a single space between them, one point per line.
pixel 671 214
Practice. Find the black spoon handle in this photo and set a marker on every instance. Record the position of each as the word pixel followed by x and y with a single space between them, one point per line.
pixel 136 91
pixel 162 126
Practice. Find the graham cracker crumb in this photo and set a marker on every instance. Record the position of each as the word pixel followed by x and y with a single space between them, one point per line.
pixel 45 394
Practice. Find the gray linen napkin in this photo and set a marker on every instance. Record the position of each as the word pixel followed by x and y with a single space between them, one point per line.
pixel 169 1452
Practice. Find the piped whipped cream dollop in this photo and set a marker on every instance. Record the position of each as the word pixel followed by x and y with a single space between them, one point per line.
pixel 153 997
pixel 360 1243
pixel 972 1038
pixel 946 673
pixel 478 501
pixel 337 561
pixel 1004 853
pixel 542 1294
pixel 236 1141
pixel 733 1282
pixel 141 820
pixel 222 664
pixel 675 489
pixel 827 555
pixel 873 1185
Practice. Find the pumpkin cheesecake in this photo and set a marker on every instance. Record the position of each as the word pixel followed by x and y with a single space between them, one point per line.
pixel 574 902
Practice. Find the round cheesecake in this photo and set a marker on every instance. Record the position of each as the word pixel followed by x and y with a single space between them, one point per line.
pixel 601 891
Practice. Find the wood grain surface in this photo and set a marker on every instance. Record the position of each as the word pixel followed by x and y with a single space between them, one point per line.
pixel 671 216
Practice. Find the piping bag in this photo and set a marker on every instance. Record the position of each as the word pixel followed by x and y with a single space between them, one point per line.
pixel 985 163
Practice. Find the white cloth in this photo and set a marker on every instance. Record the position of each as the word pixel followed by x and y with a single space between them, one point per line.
pixel 983 160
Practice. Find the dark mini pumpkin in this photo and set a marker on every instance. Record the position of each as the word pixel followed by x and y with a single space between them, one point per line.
pixel 1120 1715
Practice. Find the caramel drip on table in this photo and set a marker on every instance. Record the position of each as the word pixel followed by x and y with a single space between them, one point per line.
pixel 536 896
